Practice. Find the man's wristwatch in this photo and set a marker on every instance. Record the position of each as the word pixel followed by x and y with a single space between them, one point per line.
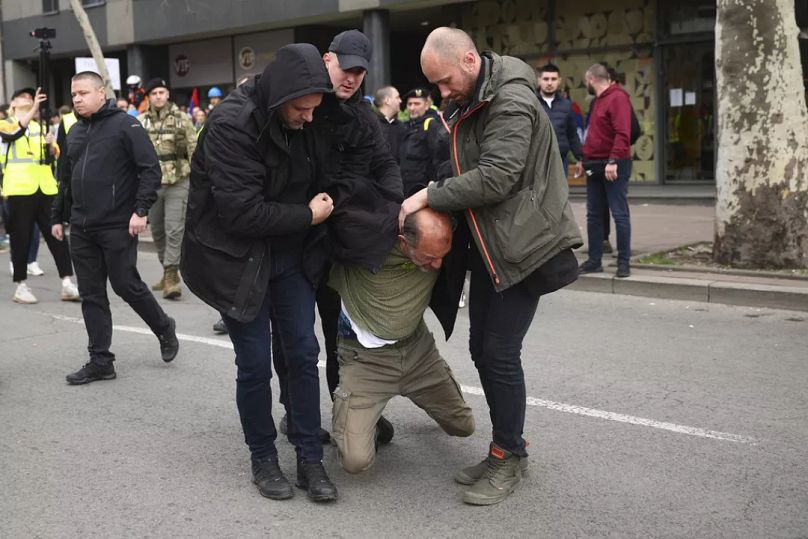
pixel 141 212
pixel 611 162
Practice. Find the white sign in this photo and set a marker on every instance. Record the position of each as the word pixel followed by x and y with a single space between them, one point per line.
pixel 676 97
pixel 113 68
pixel 690 98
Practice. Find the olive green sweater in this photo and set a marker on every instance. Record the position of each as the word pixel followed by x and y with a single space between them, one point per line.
pixel 389 304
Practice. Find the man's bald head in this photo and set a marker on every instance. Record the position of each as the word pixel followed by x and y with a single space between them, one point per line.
pixel 450 60
pixel 426 238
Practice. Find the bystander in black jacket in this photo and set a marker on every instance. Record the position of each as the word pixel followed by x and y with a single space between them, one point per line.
pixel 98 174
pixel 563 119
pixel 393 131
pixel 424 147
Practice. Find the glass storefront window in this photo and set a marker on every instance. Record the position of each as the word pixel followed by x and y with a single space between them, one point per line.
pixel 689 111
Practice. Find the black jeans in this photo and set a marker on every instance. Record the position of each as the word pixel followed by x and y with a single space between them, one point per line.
pixel 110 253
pixel 328 306
pixel 24 212
pixel 499 323
pixel 290 303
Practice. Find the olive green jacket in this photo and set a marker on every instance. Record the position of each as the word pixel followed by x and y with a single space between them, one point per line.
pixel 509 179
pixel 174 137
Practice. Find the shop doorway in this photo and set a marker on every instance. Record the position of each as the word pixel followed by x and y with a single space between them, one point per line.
pixel 688 94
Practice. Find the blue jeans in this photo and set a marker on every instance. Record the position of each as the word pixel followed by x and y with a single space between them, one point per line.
pixel 603 195
pixel 290 303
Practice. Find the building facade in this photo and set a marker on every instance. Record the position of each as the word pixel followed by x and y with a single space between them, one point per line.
pixel 663 52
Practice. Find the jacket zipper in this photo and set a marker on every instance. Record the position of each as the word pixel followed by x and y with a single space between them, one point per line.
pixel 83 168
pixel 471 213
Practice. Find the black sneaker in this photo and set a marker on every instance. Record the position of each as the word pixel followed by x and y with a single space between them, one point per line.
pixel 589 267
pixel 169 345
pixel 91 372
pixel 283 426
pixel 220 327
pixel 269 479
pixel 623 270
pixel 384 431
pixel 312 478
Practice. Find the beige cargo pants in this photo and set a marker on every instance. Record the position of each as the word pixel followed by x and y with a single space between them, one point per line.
pixel 369 377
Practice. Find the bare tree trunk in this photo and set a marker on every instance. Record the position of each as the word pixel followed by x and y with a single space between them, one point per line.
pixel 92 43
pixel 762 189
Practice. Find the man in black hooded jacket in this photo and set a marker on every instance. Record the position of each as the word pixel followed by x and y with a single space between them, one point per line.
pixel 109 180
pixel 254 196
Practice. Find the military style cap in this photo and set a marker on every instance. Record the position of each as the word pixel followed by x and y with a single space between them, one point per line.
pixel 24 91
pixel 156 83
pixel 353 49
pixel 418 92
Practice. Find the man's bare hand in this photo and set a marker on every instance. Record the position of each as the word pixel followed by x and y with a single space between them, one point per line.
pixel 610 172
pixel 412 205
pixel 321 207
pixel 58 232
pixel 579 169
pixel 137 225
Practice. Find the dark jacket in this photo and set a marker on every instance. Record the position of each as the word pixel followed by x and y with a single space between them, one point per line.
pixel 563 119
pixel 508 175
pixel 393 133
pixel 111 170
pixel 423 149
pixel 238 174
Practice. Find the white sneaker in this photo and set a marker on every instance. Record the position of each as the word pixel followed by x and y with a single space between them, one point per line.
pixel 34 269
pixel 69 291
pixel 24 295
pixel 462 300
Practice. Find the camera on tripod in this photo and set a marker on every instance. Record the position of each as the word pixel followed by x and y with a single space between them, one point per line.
pixel 43 33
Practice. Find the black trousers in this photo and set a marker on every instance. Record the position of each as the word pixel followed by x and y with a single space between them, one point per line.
pixel 111 254
pixel 328 306
pixel 24 212
pixel 498 324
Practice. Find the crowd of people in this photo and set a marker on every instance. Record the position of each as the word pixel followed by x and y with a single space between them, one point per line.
pixel 294 193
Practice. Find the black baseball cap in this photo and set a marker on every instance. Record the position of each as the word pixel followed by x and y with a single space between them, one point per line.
pixel 21 91
pixel 156 82
pixel 353 49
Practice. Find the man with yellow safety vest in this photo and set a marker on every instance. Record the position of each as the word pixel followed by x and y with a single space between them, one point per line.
pixel 425 143
pixel 30 188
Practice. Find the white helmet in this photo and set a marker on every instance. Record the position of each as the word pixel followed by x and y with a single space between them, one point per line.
pixel 133 80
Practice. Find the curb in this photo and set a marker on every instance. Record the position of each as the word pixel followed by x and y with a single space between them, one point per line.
pixel 792 298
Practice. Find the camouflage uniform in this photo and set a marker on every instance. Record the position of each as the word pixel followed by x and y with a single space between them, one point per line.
pixel 174 137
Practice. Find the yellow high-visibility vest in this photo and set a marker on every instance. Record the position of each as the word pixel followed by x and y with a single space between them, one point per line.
pixel 69 120
pixel 23 169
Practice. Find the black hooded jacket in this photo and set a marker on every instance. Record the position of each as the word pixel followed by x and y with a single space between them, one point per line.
pixel 111 169
pixel 239 174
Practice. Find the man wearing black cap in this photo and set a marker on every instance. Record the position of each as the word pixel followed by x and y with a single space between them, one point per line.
pixel 347 62
pixel 253 201
pixel 425 145
pixel 174 139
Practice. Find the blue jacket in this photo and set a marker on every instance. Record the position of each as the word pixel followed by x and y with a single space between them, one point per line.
pixel 563 120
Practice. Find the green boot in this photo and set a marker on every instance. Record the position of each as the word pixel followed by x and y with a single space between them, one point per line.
pixel 472 474
pixel 502 476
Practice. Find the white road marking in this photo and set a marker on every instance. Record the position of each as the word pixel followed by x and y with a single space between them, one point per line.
pixel 472 390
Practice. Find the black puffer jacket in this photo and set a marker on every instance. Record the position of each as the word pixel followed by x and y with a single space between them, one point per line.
pixel 238 173
pixel 111 169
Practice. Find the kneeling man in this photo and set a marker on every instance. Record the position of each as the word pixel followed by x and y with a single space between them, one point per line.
pixel 385 348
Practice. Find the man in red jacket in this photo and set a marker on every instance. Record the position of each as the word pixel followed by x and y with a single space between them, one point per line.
pixel 607 161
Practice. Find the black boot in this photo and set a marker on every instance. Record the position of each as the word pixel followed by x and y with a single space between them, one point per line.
pixel 91 372
pixel 312 478
pixel 269 479
pixel 325 436
pixel 169 345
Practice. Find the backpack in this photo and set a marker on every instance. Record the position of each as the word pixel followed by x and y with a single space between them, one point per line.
pixel 636 130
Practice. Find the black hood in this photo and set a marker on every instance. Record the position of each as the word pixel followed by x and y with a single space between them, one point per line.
pixel 295 71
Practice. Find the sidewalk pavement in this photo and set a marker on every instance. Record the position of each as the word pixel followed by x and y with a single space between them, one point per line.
pixel 657 227
pixel 661 227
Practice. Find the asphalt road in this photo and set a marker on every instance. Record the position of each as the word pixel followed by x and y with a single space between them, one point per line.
pixel 647 418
